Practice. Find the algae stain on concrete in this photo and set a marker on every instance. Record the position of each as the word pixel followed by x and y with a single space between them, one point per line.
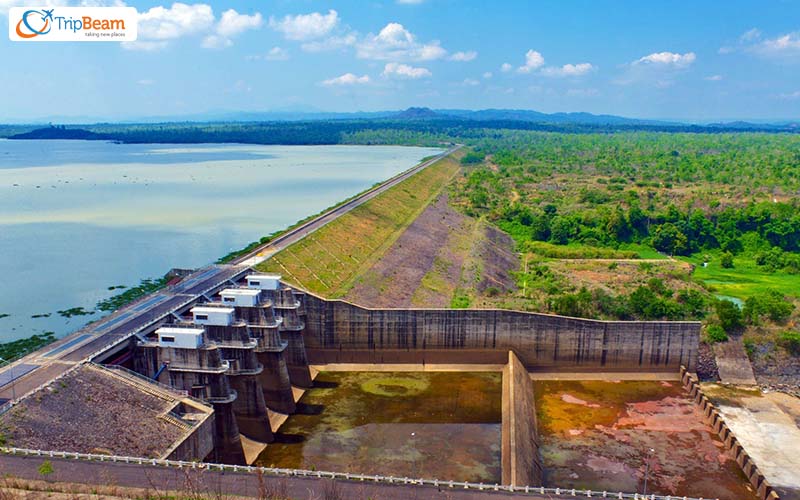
pixel 598 435
pixel 442 425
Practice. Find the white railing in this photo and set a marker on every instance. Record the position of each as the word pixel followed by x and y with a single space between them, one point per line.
pixel 344 476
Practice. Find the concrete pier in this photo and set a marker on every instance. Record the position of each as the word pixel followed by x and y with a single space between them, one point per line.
pixel 201 371
pixel 274 379
pixel 290 308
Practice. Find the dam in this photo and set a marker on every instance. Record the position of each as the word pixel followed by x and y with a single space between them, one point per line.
pixel 233 367
pixel 230 361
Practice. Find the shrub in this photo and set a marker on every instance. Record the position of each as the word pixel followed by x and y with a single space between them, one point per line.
pixel 729 314
pixel 715 333
pixel 460 302
pixel 46 468
pixel 726 260
pixel 771 304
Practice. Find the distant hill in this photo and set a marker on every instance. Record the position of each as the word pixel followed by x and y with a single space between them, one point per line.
pixel 420 114
pixel 417 114
pixel 527 115
pixel 62 133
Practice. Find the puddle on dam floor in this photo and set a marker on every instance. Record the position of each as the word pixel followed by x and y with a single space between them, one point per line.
pixel 433 425
pixel 597 435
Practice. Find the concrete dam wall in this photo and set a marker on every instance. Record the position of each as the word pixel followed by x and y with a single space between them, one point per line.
pixel 520 459
pixel 340 332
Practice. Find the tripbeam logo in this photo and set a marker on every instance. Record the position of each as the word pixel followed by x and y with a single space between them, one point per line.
pixel 72 24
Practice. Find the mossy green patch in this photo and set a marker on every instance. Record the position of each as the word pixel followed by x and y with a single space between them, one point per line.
pixel 395 386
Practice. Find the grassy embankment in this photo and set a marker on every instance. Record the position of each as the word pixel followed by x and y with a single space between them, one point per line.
pixel 329 260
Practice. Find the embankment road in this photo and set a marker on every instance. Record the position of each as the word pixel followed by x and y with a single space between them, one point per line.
pixel 296 234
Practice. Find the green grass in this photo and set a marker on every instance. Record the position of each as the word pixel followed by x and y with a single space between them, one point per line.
pixel 745 279
pixel 576 251
pixel 330 260
pixel 644 251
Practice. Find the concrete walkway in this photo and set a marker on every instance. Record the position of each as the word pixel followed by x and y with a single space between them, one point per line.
pixel 610 376
pixel 768 426
pixel 215 484
pixel 405 367
pixel 733 364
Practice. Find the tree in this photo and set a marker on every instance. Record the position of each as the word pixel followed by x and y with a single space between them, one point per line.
pixel 729 314
pixel 668 238
pixel 726 260
pixel 771 304
pixel 561 230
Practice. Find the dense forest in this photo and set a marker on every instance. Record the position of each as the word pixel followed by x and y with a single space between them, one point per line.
pixel 428 129
pixel 643 225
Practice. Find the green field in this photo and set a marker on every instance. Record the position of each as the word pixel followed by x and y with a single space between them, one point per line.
pixel 745 279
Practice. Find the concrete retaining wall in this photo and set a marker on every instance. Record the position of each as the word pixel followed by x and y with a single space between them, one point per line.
pixel 713 418
pixel 520 462
pixel 197 444
pixel 338 332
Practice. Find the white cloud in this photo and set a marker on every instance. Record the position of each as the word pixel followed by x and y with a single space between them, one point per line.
pixel 791 95
pixel 330 43
pixel 784 45
pixel 304 27
pixel 216 42
pixel 780 47
pixel 146 82
pixel 667 59
pixel 394 42
pixel 346 79
pixel 464 56
pixel 533 61
pixel 568 70
pixel 232 23
pixel 487 75
pixel 750 35
pixel 160 23
pixel 277 54
pixel 505 68
pixel 410 2
pixel 398 70
pixel 713 78
pixel 471 82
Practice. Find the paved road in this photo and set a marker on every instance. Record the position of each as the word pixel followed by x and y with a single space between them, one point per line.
pixel 217 484
pixel 267 250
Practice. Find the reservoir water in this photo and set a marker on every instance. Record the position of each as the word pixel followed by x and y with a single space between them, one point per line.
pixel 78 217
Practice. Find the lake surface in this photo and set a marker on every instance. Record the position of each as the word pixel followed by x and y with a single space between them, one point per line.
pixel 78 217
pixel 431 425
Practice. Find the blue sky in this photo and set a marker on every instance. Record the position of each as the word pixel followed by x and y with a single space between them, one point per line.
pixel 698 61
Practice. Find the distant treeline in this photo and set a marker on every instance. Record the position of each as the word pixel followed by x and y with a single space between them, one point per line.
pixel 379 131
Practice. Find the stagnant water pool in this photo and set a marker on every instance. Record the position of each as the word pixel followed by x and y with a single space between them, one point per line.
pixel 599 435
pixel 433 425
